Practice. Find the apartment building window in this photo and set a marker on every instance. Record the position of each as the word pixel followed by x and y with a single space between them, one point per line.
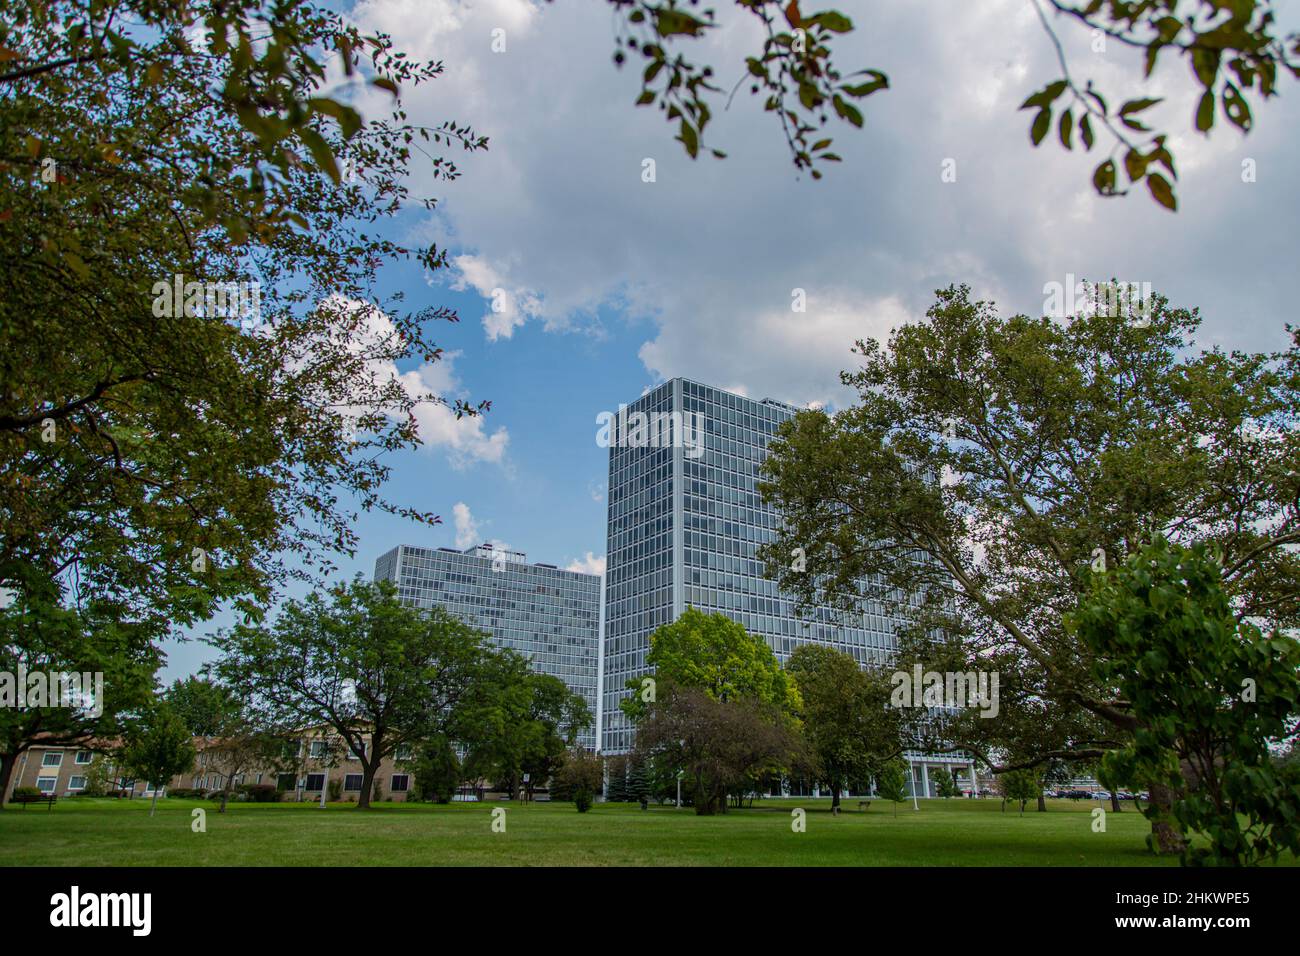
pixel 403 752
pixel 319 749
pixel 46 784
pixel 83 756
pixel 400 783
pixel 52 758
pixel 77 783
pixel 286 781
pixel 352 782
pixel 315 782
pixel 353 755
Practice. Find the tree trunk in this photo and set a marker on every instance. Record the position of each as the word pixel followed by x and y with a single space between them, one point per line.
pixel 153 805
pixel 367 783
pixel 1114 801
pixel 1042 803
pixel 1165 837
pixel 7 764
pixel 225 795
pixel 835 798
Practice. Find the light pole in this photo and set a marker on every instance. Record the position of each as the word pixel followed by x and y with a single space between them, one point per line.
pixel 680 774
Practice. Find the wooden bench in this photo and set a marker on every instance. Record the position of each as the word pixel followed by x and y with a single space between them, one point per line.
pixel 26 798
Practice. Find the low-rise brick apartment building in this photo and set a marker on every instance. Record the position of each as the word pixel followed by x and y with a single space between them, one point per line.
pixel 314 762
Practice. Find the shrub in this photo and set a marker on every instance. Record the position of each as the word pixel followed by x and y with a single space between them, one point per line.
pixel 27 793
pixel 336 789
pixel 262 793
pixel 578 779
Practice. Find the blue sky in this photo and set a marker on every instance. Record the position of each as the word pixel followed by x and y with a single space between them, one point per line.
pixel 614 284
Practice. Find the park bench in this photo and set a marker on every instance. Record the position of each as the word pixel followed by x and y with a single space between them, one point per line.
pixel 26 798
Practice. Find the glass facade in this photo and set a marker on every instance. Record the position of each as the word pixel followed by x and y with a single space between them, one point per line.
pixel 684 528
pixel 549 615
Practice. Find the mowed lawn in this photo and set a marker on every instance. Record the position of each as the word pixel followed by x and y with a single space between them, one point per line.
pixel 86 832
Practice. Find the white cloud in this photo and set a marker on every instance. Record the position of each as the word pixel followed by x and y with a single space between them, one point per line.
pixel 588 565
pixel 556 216
pixel 466 439
pixel 466 526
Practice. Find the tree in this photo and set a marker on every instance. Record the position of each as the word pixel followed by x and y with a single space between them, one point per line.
pixel 1234 50
pixel 848 726
pixel 206 708
pixel 378 673
pixel 157 747
pixel 990 464
pixel 1019 786
pixel 1212 697
pixel 271 373
pixel 579 778
pixel 722 745
pixel 112 657
pixel 436 770
pixel 717 655
pixel 945 784
pixel 638 781
pixel 616 790
pixel 517 722
pixel 99 777
pixel 891 781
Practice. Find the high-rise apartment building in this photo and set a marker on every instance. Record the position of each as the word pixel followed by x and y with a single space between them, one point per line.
pixel 549 615
pixel 685 520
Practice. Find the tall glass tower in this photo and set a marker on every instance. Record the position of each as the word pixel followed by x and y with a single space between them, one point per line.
pixel 685 520
pixel 549 615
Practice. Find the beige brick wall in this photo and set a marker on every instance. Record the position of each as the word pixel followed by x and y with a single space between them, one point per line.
pixel 62 770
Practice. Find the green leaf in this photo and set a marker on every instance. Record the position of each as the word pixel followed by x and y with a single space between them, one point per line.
pixel 846 110
pixel 1137 106
pixel 1065 129
pixel 833 20
pixel 349 120
pixel 689 139
pixel 320 152
pixel 1085 130
pixel 1162 192
pixel 1205 112
pixel 1042 122
pixel 1135 164
pixel 1045 96
pixel 1103 178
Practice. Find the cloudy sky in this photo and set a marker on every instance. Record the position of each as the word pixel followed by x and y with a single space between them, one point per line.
pixel 611 284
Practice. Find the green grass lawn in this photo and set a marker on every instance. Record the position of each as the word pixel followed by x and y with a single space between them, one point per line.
pixel 85 832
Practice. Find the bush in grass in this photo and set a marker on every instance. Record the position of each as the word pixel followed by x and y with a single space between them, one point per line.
pixel 262 793
pixel 336 790
pixel 26 793
pixel 578 779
